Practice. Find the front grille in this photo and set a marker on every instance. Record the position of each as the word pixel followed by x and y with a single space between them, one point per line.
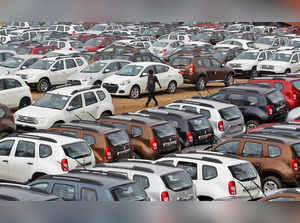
pixel 267 67
pixel 111 88
pixel 26 119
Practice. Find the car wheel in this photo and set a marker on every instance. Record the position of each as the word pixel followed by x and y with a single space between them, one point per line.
pixel 271 183
pixel 105 114
pixel 288 71
pixel 135 92
pixel 253 73
pixel 172 87
pixel 24 103
pixel 229 80
pixel 98 83
pixel 251 124
pixel 200 84
pixel 43 85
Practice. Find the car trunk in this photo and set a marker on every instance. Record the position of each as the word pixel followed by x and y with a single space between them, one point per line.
pixel 119 145
pixel 183 64
pixel 277 102
pixel 201 130
pixel 233 120
pixel 166 138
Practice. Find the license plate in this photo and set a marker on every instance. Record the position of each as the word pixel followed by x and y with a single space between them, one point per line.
pixel 123 152
pixel 166 144
pixel 205 136
pixel 281 107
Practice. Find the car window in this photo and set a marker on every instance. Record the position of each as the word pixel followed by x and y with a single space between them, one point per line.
pixel 189 108
pixel 25 149
pixel 251 100
pixel 59 65
pixel 136 131
pixel 40 52
pixel 76 102
pixel 263 84
pixel 5 147
pixel 236 99
pixel 88 194
pixel 122 64
pixel 155 59
pixel 41 186
pixel 67 192
pixel 149 68
pixel 161 69
pixel 191 168
pixel 215 63
pixel 2 85
pixel 205 113
pixel 278 85
pixel 209 172
pixel 206 62
pixel 274 151
pixel 229 147
pixel 295 58
pixel 60 28
pixel 253 149
pixel 29 62
pixel 11 83
pixel 142 181
pixel 101 95
pixel 62 45
pixel 218 96
pixel 79 62
pixel 70 63
pixel 2 113
pixel 45 151
pixel 71 133
pixel 90 98
pixel 262 56
pixel 113 67
pixel 91 140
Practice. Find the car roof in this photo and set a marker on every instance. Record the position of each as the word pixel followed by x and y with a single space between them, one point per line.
pixel 258 89
pixel 169 111
pixel 207 102
pixel 270 137
pixel 143 119
pixel 63 140
pixel 111 61
pixel 69 90
pixel 146 63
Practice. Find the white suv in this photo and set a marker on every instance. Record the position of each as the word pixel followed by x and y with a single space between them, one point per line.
pixel 281 62
pixel 132 79
pixel 70 29
pixel 52 71
pixel 66 104
pixel 25 157
pixel 14 92
pixel 217 175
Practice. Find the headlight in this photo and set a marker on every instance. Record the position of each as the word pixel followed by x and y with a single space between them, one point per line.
pixel 125 83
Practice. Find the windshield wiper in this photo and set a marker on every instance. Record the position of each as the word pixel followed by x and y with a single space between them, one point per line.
pixel 245 188
pixel 258 187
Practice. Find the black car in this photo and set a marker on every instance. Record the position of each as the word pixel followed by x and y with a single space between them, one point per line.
pixel 138 57
pixel 258 104
pixel 91 185
pixel 193 129
pixel 18 192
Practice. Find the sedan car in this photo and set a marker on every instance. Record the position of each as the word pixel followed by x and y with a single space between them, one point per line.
pixel 160 48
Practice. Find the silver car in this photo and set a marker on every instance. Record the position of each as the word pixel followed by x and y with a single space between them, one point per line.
pixel 163 47
pixel 95 73
pixel 161 183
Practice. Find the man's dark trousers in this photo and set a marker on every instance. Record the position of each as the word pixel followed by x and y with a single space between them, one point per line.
pixel 151 95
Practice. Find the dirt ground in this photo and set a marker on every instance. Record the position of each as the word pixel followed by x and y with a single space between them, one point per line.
pixel 123 104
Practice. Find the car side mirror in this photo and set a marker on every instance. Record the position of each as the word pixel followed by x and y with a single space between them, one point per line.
pixel 144 74
pixel 107 71
pixel 23 67
pixel 293 61
pixel 70 108
pixel 53 69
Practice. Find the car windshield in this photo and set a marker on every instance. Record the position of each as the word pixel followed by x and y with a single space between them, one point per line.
pixel 181 61
pixel 160 44
pixel 199 124
pixel 23 51
pixel 233 28
pixel 53 101
pixel 201 36
pixel 281 57
pixel 78 28
pixel 130 70
pixel 230 114
pixel 118 138
pixel 247 56
pixel 94 67
pixel 162 131
pixel 93 42
pixel 52 28
pixel 263 40
pixel 76 45
pixel 296 85
pixel 275 97
pixel 129 192
pixel 12 62
pixel 77 150
pixel 293 43
pixel 178 181
pixel 98 27
pixel 42 65
pixel 243 172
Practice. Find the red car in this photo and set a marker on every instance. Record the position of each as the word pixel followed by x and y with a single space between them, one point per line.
pixel 39 50
pixel 98 43
pixel 83 37
pixel 260 127
pixel 288 85
pixel 208 26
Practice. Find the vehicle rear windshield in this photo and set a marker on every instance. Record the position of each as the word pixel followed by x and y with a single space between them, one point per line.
pixel 296 149
pixel 178 181
pixel 230 114
pixel 118 138
pixel 275 97
pixel 243 172
pixel 182 61
pixel 296 85
pixel 129 192
pixel 199 124
pixel 166 130
pixel 77 150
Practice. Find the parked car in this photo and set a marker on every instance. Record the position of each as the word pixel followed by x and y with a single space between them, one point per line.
pixel 17 63
pixel 160 48
pixel 243 44
pixel 284 195
pixel 268 42
pixel 35 50
pixel 98 43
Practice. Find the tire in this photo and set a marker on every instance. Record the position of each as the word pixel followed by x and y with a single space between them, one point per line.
pixel 251 124
pixel 56 123
pixel 172 87
pixel 104 114
pixel 271 183
pixel 200 84
pixel 229 80
pixel 24 103
pixel 98 83
pixel 253 73
pixel 137 156
pixel 43 85
pixel 287 71
pixel 135 92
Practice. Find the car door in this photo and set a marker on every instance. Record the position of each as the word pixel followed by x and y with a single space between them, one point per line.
pixel 207 65
pixel 71 67
pixel 110 69
pixel 220 73
pixel 23 160
pixel 92 106
pixel 294 63
pixel 6 147
pixel 163 75
pixel 75 109
pixel 57 73
pixel 14 92
pixel 253 151
pixel 144 78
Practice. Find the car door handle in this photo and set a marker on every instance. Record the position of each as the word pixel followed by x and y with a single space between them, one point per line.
pixel 30 163
pixel 5 161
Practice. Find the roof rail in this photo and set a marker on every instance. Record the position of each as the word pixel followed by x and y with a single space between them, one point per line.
pixel 85 89
pixel 99 172
pixel 137 168
pixel 208 159
pixel 32 137
pixel 186 101
pixel 64 85
pixel 263 137
pixel 53 132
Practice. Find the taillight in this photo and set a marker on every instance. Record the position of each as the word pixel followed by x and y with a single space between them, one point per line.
pixel 295 165
pixel 295 97
pixel 191 69
pixel 190 137
pixel 154 144
pixel 73 32
pixel 64 165
pixel 70 49
pixel 165 196
pixel 232 188
pixel 269 110
pixel 108 154
pixel 163 51
pixel 221 126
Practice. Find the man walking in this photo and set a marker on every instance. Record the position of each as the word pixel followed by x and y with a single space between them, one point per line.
pixel 152 80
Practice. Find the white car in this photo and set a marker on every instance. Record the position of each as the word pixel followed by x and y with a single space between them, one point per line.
pixel 65 44
pixel 217 175
pixel 246 63
pixel 243 44
pixel 280 63
pixel 132 79
pixel 5 54
pixel 14 92
pixel 100 28
pixel 267 42
pixel 66 104
pixel 293 43
pixel 160 48
pixel 26 157
pixel 70 29
pixel 51 71
pixel 16 63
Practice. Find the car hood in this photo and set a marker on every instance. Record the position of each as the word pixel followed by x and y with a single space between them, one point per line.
pixel 7 70
pixel 242 62
pixel 31 71
pixel 117 79
pixel 39 112
pixel 262 46
pixel 83 76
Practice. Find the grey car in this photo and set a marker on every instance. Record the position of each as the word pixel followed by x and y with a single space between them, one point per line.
pixel 95 73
